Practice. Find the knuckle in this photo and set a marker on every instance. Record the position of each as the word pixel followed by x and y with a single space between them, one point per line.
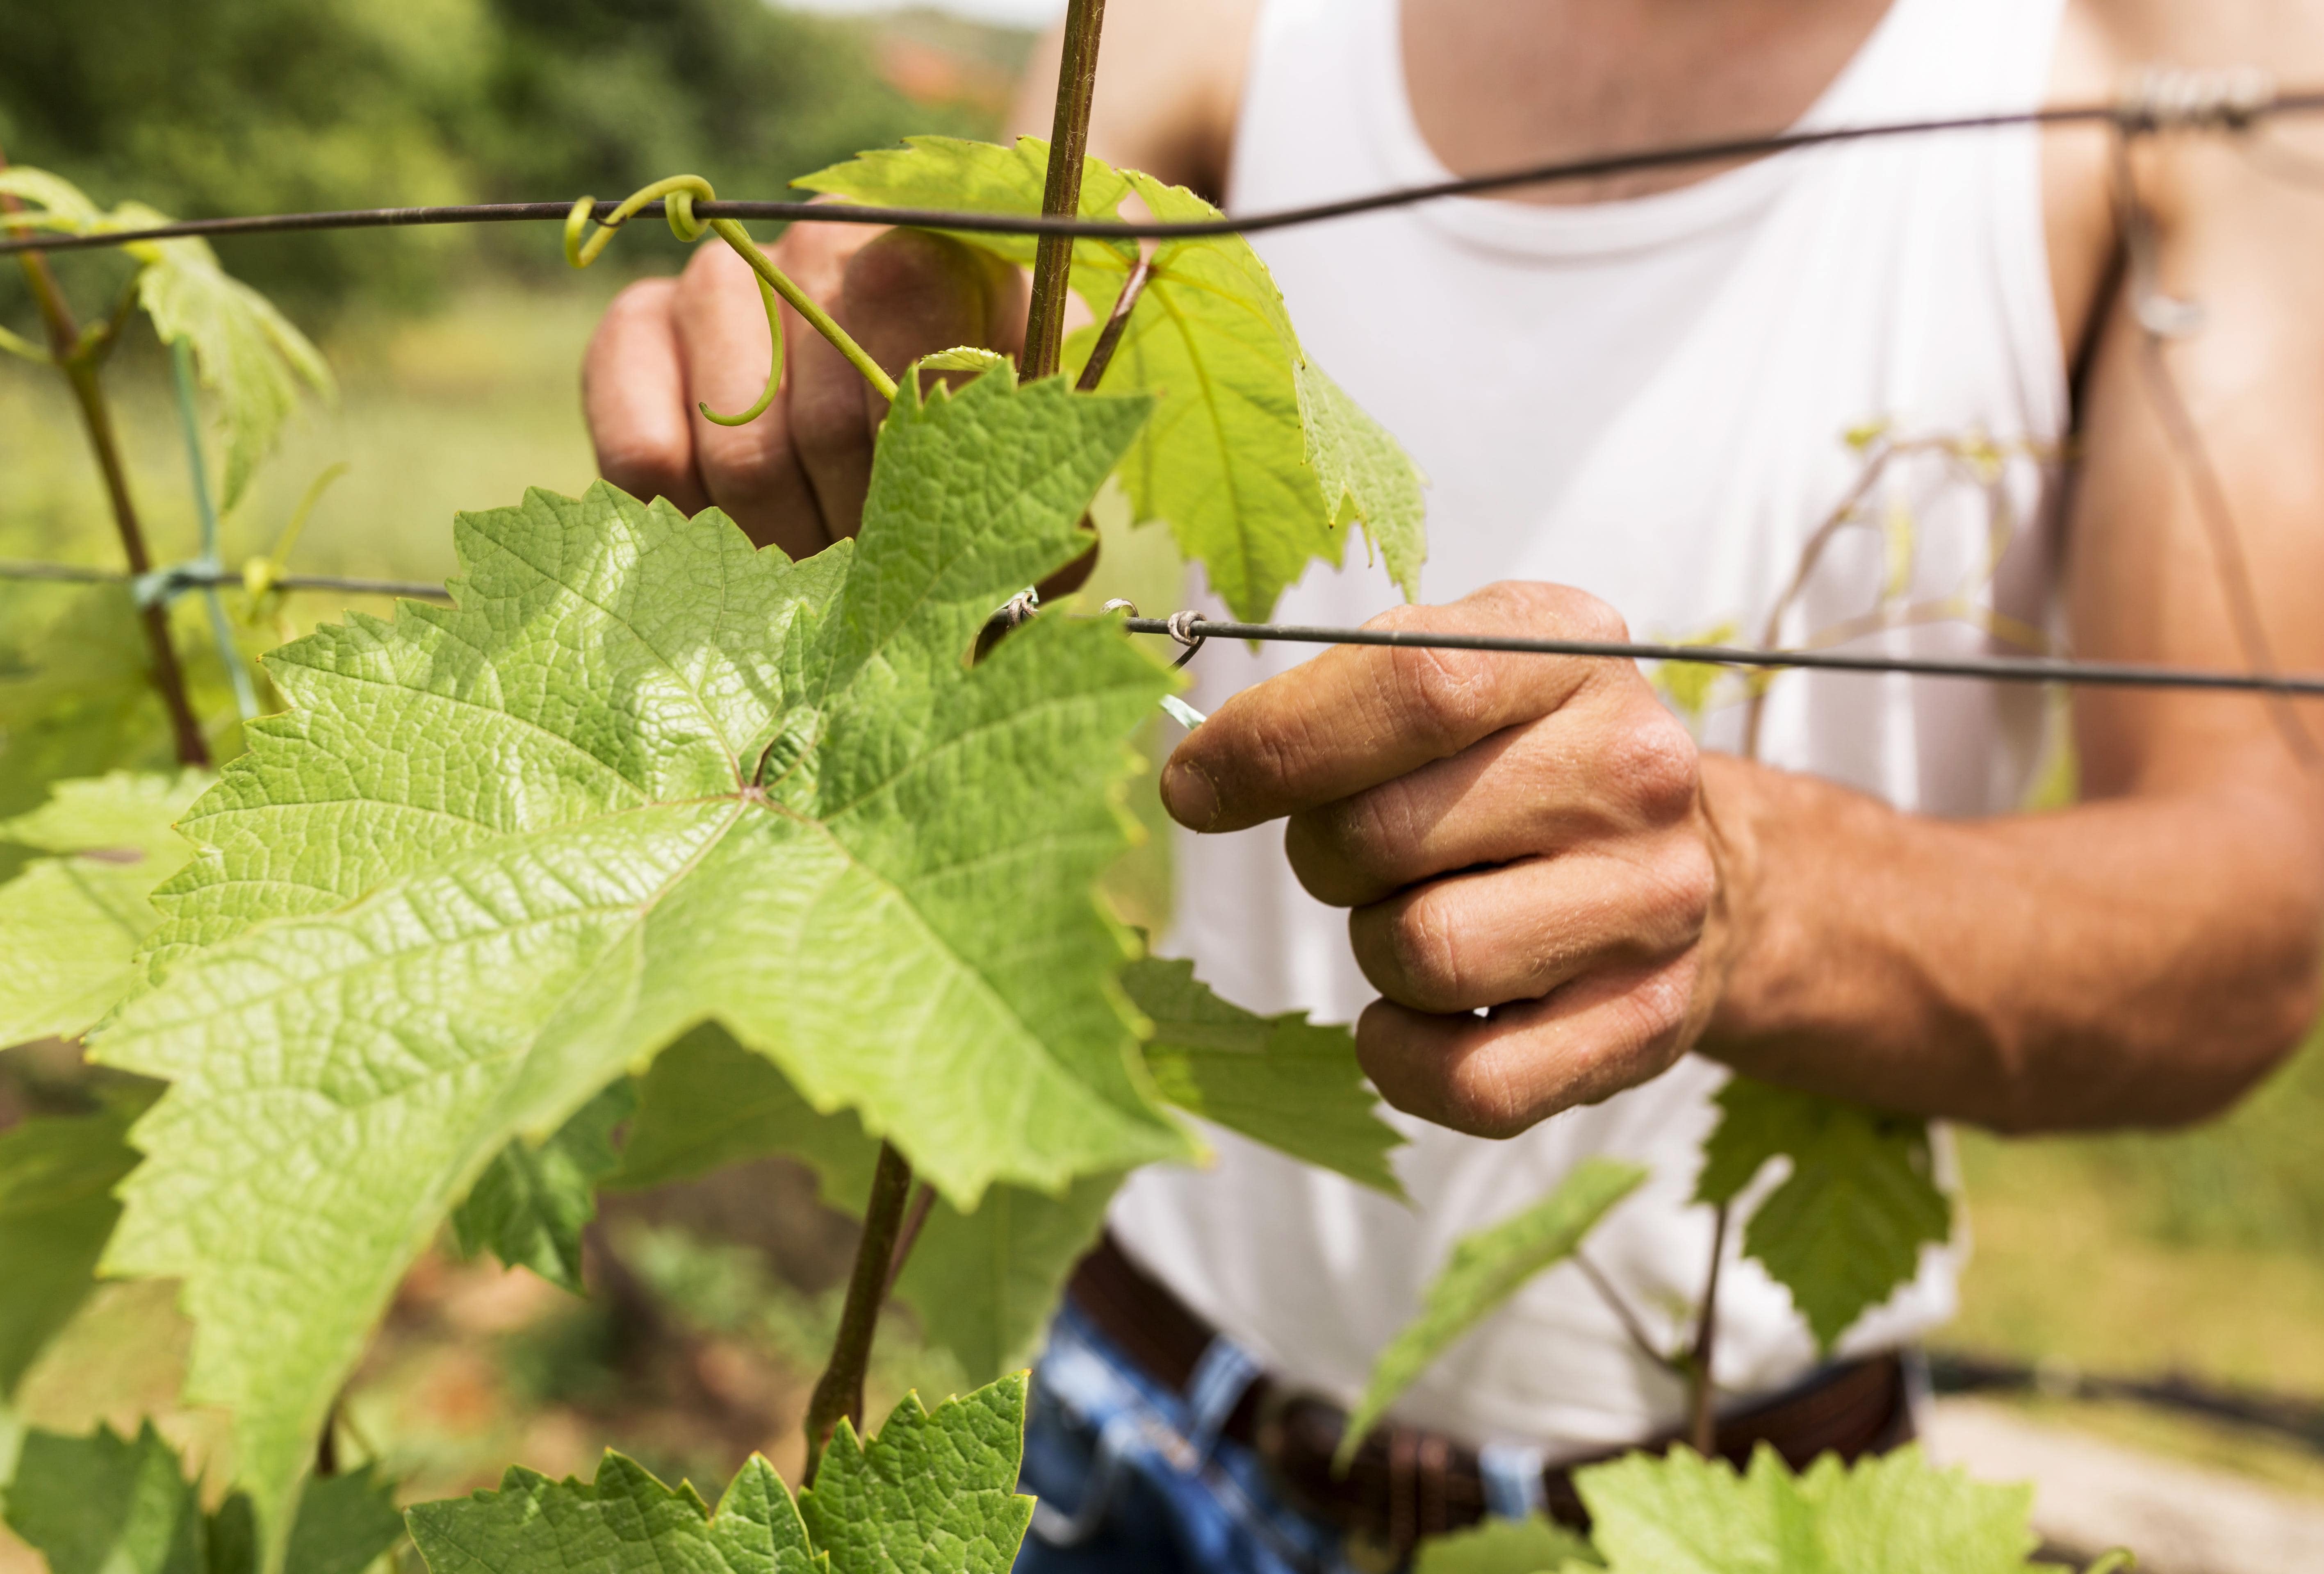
pixel 1277 758
pixel 712 268
pixel 742 466
pixel 1598 618
pixel 1657 1009
pixel 1369 830
pixel 909 292
pixel 824 419
pixel 1425 947
pixel 901 263
pixel 640 304
pixel 1655 767
pixel 1452 693
pixel 1518 602
pixel 1691 881
pixel 819 251
pixel 1481 1099
pixel 1344 853
pixel 1537 606
pixel 646 465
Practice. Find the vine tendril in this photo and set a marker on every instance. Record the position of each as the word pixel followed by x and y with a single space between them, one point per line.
pixel 678 193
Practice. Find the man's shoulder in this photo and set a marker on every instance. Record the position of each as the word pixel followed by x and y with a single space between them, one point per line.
pixel 1170 76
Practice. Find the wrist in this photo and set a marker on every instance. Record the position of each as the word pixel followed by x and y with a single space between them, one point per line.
pixel 1736 805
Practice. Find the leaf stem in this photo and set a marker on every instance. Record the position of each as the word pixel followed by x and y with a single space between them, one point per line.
pixel 1108 338
pixel 924 1201
pixel 79 363
pixel 1701 1401
pixel 1061 195
pixel 1623 1313
pixel 839 1393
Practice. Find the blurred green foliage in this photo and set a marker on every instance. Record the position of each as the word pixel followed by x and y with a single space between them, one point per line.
pixel 2252 1179
pixel 220 107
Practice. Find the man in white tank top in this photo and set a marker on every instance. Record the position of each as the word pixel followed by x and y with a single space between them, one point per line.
pixel 1653 390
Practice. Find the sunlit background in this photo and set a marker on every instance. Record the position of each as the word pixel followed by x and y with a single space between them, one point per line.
pixel 456 351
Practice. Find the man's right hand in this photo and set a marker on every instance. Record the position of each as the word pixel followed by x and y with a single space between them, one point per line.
pixel 795 477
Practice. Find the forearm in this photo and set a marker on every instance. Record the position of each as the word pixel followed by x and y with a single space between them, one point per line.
pixel 2139 960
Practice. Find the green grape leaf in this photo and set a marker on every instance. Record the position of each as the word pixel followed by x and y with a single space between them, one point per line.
pixel 1537 1545
pixel 248 354
pixel 982 1284
pixel 57 199
pixel 1846 1227
pixel 1283 1080
pixel 640 774
pixel 935 1493
pixel 1255 457
pixel 1225 459
pixel 345 1523
pixel 1681 1515
pixel 530 1206
pixel 1366 476
pixel 71 923
pixel 707 1102
pixel 107 1504
pixel 1897 1510
pixel 973 177
pixel 56 1175
pixel 625 1522
pixel 1485 1269
pixel 76 698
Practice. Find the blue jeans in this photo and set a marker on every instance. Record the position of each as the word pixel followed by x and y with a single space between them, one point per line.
pixel 1134 1479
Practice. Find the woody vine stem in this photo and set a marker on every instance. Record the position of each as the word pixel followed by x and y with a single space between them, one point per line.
pixel 888 1236
pixel 79 354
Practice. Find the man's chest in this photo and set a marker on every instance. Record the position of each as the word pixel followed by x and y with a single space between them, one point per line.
pixel 1492 86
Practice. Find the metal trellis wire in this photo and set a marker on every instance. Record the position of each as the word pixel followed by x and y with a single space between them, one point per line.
pixel 2228 100
pixel 178 579
pixel 2232 100
pixel 1190 630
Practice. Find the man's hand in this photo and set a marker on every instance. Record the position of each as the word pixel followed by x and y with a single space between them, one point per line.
pixel 797 476
pixel 1521 836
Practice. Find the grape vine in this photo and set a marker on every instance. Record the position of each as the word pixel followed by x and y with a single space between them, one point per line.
pixel 653 852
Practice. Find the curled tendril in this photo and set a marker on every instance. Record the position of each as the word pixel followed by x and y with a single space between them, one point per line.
pixel 262 575
pixel 678 193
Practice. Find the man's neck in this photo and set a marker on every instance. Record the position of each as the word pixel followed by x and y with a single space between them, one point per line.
pixel 1495 83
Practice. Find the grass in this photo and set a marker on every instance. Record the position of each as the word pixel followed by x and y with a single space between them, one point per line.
pixel 461 411
pixel 2201 1251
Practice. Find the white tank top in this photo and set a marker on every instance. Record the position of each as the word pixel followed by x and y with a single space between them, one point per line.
pixel 1650 400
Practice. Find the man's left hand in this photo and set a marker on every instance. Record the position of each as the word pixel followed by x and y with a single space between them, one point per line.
pixel 1535 884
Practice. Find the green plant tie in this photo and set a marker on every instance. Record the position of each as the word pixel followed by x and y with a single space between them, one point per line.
pixel 166 584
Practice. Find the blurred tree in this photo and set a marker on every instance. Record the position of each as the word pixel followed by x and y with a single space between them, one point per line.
pixel 607 95
pixel 213 106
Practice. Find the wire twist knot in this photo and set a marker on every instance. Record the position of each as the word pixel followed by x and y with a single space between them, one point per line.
pixel 2175 98
pixel 1182 630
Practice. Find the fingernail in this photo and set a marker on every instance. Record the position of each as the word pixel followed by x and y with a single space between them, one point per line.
pixel 1190 794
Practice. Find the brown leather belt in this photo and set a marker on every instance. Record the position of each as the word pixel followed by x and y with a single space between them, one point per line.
pixel 1406 1483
